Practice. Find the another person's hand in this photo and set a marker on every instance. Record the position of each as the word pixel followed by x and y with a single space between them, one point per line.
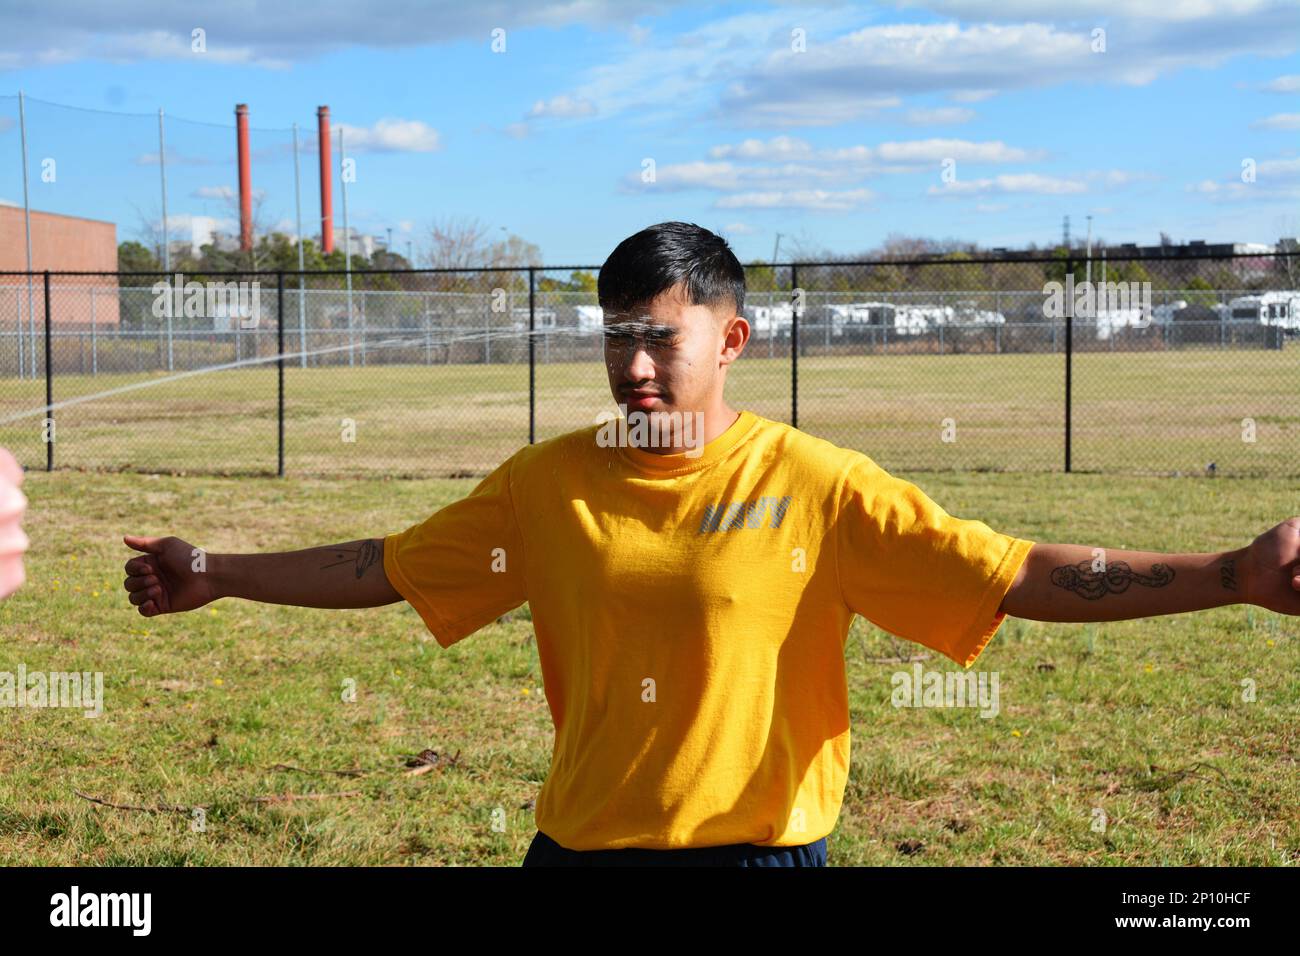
pixel 13 542
pixel 166 578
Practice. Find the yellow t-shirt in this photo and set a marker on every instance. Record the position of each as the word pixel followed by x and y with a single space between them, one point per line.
pixel 691 614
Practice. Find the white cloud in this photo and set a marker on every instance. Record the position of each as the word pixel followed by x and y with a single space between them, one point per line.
pixel 1284 84
pixel 779 147
pixel 727 176
pixel 966 61
pixel 685 72
pixel 814 199
pixel 940 116
pixel 389 136
pixel 562 107
pixel 809 179
pixel 937 150
pixel 1117 177
pixel 182 223
pixel 1179 10
pixel 1011 183
pixel 910 153
pixel 750 106
pixel 1285 121
pixel 275 34
pixel 1278 168
pixel 1275 179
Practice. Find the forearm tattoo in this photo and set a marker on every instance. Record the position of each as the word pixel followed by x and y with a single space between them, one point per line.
pixel 1087 583
pixel 367 555
pixel 1228 574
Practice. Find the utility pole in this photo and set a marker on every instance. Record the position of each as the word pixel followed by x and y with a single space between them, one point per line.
pixel 1089 269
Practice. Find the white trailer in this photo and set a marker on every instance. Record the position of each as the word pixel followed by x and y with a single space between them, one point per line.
pixel 770 321
pixel 1267 308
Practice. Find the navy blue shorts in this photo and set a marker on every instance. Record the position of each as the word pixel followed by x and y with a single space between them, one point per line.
pixel 546 852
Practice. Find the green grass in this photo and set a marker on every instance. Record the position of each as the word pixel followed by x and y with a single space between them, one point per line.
pixel 1142 719
pixel 1134 413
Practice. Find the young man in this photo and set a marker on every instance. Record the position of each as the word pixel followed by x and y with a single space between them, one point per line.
pixel 691 596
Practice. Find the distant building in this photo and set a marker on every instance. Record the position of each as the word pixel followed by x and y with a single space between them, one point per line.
pixel 1194 247
pixel 358 244
pixel 59 243
pixel 203 232
pixel 1245 268
pixel 1252 260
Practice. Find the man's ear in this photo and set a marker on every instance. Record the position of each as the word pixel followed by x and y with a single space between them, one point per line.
pixel 735 336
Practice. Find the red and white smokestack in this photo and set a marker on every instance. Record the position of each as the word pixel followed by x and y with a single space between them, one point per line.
pixel 326 195
pixel 245 180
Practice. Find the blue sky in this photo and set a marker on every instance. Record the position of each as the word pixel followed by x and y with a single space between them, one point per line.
pixel 832 124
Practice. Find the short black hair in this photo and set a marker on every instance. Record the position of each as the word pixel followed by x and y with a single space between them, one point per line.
pixel 661 256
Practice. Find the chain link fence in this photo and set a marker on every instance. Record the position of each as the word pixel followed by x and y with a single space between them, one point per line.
pixel 1125 364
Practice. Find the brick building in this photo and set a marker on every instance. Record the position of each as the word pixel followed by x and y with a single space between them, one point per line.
pixel 58 243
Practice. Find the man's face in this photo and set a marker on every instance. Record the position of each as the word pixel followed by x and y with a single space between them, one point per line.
pixel 669 355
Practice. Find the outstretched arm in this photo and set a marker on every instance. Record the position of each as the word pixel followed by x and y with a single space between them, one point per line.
pixel 173 575
pixel 1072 582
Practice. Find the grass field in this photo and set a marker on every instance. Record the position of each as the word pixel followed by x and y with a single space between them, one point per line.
pixel 1143 720
pixel 1133 413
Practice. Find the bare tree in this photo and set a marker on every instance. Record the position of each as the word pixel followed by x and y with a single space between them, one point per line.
pixel 462 243
pixel 1288 228
pixel 258 217
pixel 456 243
pixel 148 230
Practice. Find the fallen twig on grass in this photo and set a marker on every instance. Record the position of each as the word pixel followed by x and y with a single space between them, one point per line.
pixel 1175 776
pixel 161 808
pixel 427 760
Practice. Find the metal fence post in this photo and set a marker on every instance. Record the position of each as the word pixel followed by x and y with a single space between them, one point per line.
pixel 1069 361
pixel 532 356
pixel 771 319
pixel 49 379
pixel 794 345
pixel 279 362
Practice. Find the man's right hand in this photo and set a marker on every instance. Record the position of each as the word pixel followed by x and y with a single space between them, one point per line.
pixel 163 579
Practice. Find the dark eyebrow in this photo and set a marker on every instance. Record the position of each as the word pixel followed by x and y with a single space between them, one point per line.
pixel 641 330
